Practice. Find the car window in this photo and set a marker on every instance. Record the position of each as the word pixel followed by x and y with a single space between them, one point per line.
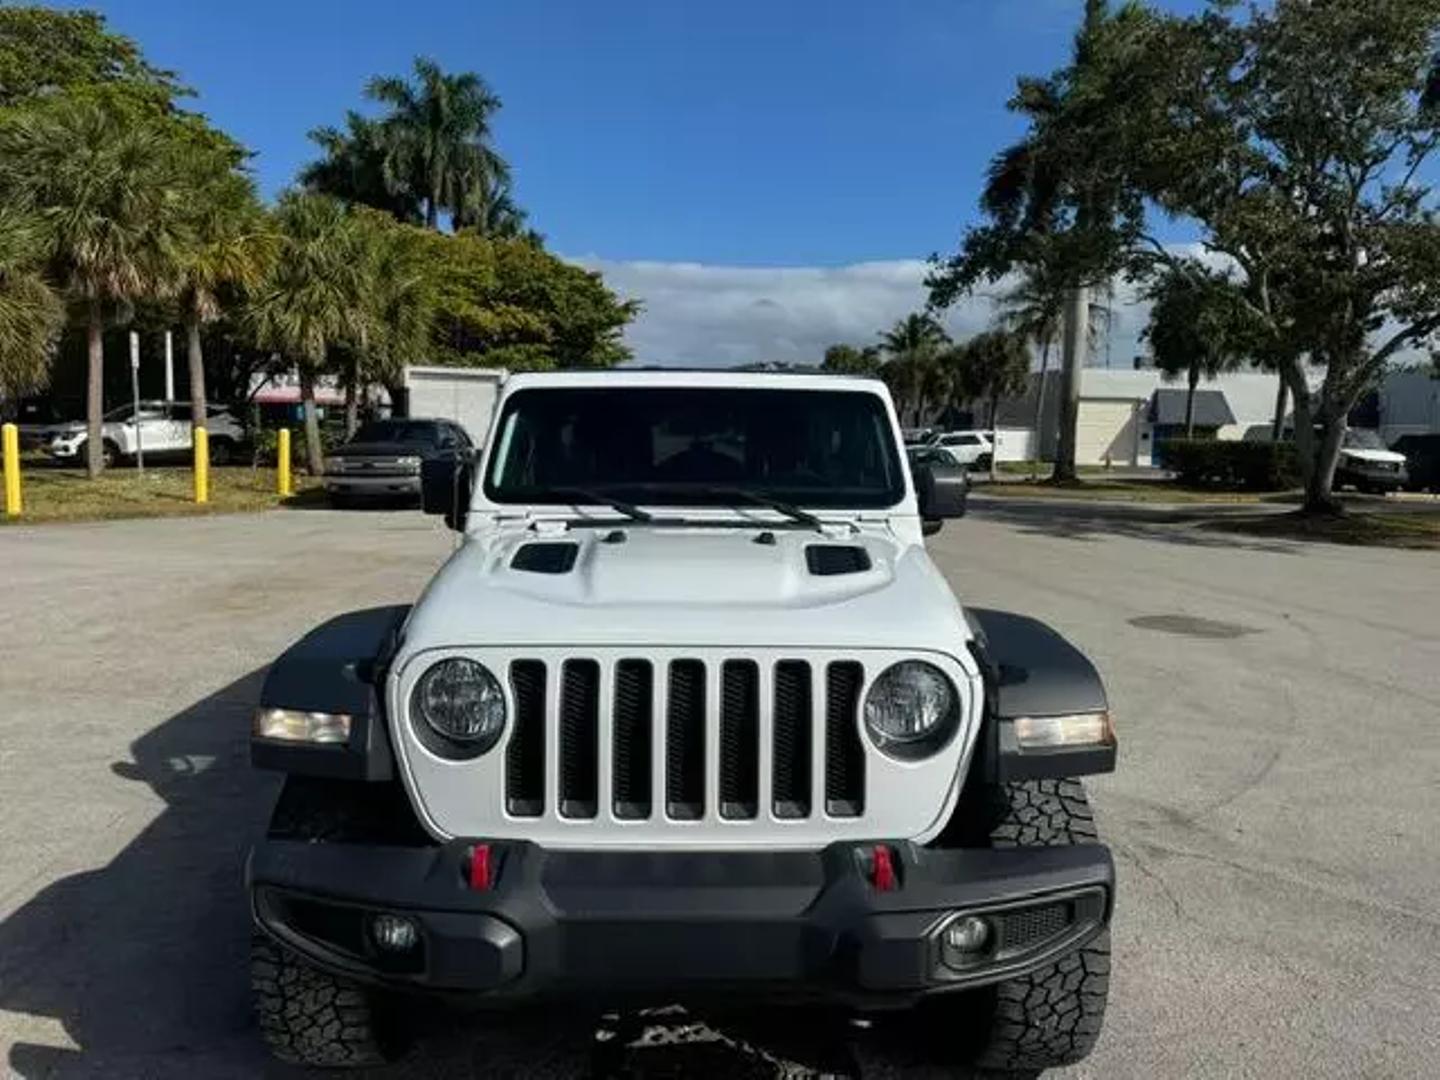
pixel 420 432
pixel 683 446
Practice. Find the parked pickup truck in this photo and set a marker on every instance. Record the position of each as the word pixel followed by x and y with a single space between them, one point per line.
pixel 688 717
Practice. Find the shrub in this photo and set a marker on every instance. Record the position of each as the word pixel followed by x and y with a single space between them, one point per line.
pixel 1232 465
pixel 267 444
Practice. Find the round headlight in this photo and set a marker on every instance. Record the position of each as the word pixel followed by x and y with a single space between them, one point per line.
pixel 911 710
pixel 459 708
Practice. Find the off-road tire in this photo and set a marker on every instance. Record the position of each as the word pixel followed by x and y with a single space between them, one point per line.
pixel 1051 1017
pixel 310 1017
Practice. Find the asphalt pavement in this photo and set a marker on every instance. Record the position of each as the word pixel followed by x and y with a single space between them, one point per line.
pixel 1274 816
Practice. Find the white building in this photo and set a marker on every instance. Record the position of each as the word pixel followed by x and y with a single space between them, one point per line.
pixel 1126 415
pixel 1409 404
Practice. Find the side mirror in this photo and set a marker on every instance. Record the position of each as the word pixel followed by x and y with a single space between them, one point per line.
pixel 941 496
pixel 445 488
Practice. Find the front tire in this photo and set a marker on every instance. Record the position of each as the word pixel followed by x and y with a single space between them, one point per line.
pixel 1044 1020
pixel 312 1018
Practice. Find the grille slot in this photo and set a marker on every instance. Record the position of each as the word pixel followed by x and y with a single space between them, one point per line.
pixel 630 754
pixel 844 756
pixel 525 756
pixel 685 741
pixel 791 744
pixel 739 740
pixel 579 738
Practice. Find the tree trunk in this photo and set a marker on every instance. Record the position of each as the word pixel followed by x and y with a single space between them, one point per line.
pixel 994 435
pixel 432 211
pixel 1190 401
pixel 352 396
pixel 1077 318
pixel 1282 406
pixel 1038 450
pixel 196 355
pixel 94 390
pixel 314 458
pixel 1317 457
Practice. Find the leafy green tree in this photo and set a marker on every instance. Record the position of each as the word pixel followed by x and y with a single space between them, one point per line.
pixel 850 360
pixel 31 315
pixel 988 367
pixel 912 370
pixel 1299 138
pixel 108 187
pixel 314 298
pixel 230 249
pixel 1199 327
pixel 510 303
pixel 437 138
pixel 43 51
pixel 490 209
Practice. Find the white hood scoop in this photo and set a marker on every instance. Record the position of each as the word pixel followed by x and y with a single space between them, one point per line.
pixel 693 565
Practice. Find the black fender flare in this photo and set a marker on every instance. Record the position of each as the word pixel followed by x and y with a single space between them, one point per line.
pixel 1030 670
pixel 339 667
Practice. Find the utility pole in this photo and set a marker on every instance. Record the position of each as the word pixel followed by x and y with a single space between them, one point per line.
pixel 135 401
pixel 1077 319
pixel 169 368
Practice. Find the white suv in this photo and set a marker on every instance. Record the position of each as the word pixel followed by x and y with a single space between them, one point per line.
pixel 689 715
pixel 969 449
pixel 161 428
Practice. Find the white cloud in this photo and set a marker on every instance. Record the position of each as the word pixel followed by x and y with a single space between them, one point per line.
pixel 699 315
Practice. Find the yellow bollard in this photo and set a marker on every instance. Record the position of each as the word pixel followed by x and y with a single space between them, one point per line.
pixel 282 464
pixel 202 465
pixel 11 440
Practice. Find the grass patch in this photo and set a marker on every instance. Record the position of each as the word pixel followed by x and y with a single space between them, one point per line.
pixel 52 494
pixel 1137 491
pixel 1420 531
pixel 1043 469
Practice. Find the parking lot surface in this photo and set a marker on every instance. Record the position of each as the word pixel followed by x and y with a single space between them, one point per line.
pixel 1273 819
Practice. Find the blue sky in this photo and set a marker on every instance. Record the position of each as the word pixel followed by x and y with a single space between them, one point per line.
pixel 723 135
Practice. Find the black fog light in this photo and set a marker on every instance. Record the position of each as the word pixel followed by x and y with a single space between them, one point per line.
pixel 966 940
pixel 394 933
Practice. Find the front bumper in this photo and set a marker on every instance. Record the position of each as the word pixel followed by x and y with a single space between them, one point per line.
pixel 665 927
pixel 375 487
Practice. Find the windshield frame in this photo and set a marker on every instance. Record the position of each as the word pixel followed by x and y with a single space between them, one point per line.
pixel 700 500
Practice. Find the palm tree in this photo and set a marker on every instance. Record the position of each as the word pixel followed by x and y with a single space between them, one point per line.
pixel 437 137
pixel 490 208
pixel 313 299
pixel 1198 327
pixel 353 169
pixel 912 369
pixel 232 249
pixel 31 315
pixel 1035 309
pixel 108 186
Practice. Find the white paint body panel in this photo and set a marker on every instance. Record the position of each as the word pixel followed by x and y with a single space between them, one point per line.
pixel 703 591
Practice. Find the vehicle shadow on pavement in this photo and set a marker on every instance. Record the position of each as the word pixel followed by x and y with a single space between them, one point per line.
pixel 143 962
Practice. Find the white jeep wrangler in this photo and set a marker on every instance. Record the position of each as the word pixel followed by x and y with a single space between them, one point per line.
pixel 688 717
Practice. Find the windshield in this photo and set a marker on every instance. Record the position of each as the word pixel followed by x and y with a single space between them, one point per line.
pixel 696 447
pixel 399 431
pixel 1364 439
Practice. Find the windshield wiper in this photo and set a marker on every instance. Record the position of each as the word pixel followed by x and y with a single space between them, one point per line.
pixel 794 513
pixel 620 506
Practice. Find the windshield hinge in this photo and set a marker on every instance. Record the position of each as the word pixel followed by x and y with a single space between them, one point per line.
pixel 550 526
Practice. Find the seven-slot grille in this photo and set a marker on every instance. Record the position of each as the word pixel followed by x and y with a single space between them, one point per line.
pixel 676 727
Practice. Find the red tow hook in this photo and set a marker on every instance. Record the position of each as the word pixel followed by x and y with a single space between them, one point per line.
pixel 882 869
pixel 480 869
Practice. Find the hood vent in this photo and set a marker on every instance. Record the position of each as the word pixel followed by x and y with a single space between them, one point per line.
pixel 828 560
pixel 545 558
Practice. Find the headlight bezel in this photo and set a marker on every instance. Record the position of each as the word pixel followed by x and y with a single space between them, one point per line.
pixel 444 743
pixel 923 746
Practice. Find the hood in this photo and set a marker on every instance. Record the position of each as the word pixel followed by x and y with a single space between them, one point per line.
pixel 69 427
pixel 1389 457
pixel 701 585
